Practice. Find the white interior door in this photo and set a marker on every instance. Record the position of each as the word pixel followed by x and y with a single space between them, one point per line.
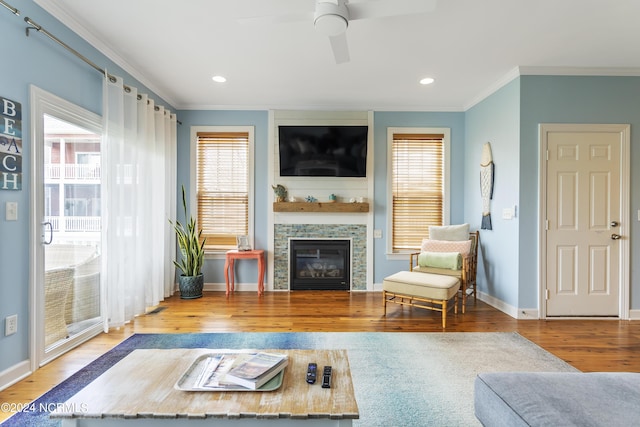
pixel 586 221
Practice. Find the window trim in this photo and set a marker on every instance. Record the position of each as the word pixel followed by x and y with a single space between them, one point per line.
pixel 446 153
pixel 193 177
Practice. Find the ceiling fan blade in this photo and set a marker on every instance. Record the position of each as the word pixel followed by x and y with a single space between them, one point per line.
pixel 385 8
pixel 340 48
pixel 277 19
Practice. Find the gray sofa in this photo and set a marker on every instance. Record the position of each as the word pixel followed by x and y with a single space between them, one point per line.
pixel 558 399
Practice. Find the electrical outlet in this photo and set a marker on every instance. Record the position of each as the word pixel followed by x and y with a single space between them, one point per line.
pixel 377 234
pixel 10 325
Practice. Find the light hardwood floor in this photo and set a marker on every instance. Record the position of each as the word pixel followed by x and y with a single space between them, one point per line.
pixel 589 345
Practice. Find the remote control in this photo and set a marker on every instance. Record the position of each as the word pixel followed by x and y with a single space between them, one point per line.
pixel 326 377
pixel 311 373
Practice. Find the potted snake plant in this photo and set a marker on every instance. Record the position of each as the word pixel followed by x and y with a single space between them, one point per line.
pixel 191 245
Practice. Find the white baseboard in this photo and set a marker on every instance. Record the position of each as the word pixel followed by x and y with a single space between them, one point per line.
pixel 498 304
pixel 515 312
pixel 239 287
pixel 15 373
pixel 530 313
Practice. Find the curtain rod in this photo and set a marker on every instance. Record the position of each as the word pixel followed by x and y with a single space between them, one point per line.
pixel 11 8
pixel 40 29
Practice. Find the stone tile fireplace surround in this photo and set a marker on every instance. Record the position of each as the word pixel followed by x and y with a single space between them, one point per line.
pixel 356 232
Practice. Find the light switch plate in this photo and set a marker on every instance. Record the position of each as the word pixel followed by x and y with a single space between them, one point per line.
pixel 11 211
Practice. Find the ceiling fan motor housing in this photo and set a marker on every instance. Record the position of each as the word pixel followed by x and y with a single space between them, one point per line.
pixel 331 18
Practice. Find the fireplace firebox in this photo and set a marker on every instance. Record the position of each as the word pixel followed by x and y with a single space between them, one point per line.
pixel 319 264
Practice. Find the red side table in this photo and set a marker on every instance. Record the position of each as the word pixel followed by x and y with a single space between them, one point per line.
pixel 230 261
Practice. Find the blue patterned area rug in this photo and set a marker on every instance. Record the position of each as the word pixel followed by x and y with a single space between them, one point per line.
pixel 399 378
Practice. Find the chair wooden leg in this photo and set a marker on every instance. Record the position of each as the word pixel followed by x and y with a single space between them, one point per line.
pixel 444 314
pixel 464 296
pixel 455 303
pixel 384 302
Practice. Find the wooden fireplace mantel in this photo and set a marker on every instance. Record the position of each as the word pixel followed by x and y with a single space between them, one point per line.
pixel 320 207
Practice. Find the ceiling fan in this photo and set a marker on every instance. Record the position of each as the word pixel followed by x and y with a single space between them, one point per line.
pixel 331 18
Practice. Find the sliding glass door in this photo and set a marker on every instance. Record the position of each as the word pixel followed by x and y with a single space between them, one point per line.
pixel 67 218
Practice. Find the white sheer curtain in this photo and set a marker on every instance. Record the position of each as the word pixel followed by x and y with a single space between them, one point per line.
pixel 138 199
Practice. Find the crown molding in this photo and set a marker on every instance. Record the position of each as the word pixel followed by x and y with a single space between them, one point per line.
pixel 61 15
pixel 579 71
pixel 552 71
pixel 503 81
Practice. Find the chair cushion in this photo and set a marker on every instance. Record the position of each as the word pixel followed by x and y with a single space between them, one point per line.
pixel 449 232
pixel 432 286
pixel 434 270
pixel 448 260
pixel 432 245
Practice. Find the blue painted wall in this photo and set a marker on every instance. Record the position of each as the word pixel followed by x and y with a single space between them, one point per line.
pixel 39 61
pixel 563 99
pixel 383 120
pixel 495 120
pixel 213 269
pixel 508 119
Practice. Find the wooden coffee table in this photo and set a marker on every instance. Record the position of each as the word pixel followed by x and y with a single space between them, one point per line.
pixel 139 390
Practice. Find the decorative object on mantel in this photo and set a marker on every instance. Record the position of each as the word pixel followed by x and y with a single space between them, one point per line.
pixel 280 192
pixel 352 200
pixel 191 281
pixel 486 185
pixel 311 199
pixel 292 199
pixel 332 197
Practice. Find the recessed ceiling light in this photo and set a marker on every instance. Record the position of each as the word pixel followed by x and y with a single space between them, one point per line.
pixel 427 81
pixel 219 79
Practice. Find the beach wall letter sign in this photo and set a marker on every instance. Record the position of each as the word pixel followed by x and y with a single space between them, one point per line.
pixel 10 145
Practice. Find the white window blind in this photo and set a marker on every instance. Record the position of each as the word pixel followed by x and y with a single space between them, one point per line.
pixel 417 188
pixel 223 187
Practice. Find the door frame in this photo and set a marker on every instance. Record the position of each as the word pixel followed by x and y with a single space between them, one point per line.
pixel 625 216
pixel 43 102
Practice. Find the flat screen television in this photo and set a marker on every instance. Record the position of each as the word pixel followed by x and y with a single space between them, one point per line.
pixel 323 150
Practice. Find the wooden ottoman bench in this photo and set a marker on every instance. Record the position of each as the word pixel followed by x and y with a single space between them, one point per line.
pixel 423 290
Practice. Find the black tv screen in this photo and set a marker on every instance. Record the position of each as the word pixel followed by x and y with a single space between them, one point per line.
pixel 323 150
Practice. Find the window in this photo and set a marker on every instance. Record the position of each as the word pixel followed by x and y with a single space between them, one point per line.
pixel 224 185
pixel 417 185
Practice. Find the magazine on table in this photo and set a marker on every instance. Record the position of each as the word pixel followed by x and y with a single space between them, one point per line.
pixel 257 369
pixel 213 373
pixel 250 370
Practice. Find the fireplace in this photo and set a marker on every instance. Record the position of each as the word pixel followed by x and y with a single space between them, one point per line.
pixel 322 264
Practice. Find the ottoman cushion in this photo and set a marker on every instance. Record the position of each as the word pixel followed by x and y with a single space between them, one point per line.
pixel 557 399
pixel 425 285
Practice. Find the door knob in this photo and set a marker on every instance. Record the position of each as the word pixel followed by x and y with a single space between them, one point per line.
pixel 615 236
pixel 615 223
